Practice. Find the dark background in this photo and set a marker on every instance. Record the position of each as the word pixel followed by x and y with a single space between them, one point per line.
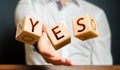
pixel 12 51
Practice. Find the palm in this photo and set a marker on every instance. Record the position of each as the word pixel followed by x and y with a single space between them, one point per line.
pixel 49 53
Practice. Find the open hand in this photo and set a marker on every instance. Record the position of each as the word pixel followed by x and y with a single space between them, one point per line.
pixel 48 52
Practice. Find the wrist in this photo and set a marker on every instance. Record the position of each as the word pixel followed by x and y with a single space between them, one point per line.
pixel 36 47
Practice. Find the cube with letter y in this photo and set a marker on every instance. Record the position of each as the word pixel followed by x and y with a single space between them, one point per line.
pixel 85 27
pixel 28 30
pixel 58 35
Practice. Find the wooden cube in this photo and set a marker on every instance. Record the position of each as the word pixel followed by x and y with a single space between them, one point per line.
pixel 85 27
pixel 29 30
pixel 58 35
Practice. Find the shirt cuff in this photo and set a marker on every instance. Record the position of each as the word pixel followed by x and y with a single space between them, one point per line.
pixel 35 47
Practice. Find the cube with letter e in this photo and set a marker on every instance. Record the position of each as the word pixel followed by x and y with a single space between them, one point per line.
pixel 28 30
pixel 58 35
pixel 85 27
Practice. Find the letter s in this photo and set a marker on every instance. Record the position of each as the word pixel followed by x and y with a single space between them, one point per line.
pixel 80 24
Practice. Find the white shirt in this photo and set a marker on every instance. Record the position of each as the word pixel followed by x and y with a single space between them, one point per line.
pixel 96 51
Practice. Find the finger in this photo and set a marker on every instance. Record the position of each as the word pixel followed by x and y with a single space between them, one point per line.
pixel 65 61
pixel 59 61
pixel 44 28
pixel 69 62
pixel 54 61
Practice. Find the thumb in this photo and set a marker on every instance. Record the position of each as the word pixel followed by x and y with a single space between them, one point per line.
pixel 44 28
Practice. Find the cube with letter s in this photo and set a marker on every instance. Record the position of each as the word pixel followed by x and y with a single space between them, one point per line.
pixel 85 27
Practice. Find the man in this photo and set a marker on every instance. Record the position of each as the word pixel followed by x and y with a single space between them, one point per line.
pixel 96 51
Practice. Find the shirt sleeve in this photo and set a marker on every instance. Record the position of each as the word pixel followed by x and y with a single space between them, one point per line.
pixel 25 9
pixel 101 50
